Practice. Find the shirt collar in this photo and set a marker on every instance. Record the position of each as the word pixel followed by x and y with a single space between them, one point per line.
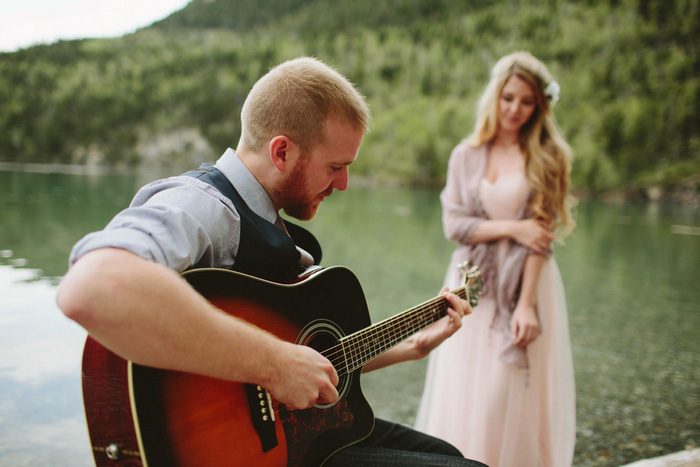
pixel 247 185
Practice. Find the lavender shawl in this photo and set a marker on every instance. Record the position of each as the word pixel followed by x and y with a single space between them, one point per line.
pixel 462 212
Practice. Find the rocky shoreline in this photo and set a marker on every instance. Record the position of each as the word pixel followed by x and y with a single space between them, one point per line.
pixel 686 458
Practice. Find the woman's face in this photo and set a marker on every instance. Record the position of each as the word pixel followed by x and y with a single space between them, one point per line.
pixel 516 104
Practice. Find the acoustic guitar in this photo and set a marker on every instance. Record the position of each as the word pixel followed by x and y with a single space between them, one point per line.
pixel 140 416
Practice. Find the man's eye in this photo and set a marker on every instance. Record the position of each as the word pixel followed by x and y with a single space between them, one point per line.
pixel 336 168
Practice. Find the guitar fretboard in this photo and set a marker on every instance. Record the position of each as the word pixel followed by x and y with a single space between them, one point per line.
pixel 362 346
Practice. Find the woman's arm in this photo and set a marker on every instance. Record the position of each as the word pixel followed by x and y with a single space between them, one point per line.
pixel 525 325
pixel 530 233
pixel 462 225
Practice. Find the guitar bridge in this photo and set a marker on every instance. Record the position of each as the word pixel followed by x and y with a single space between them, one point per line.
pixel 263 415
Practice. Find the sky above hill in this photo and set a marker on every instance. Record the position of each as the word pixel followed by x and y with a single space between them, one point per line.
pixel 24 23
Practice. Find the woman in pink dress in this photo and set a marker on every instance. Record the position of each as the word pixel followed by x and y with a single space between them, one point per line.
pixel 502 388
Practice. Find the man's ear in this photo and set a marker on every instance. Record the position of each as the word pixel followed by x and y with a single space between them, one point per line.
pixel 279 148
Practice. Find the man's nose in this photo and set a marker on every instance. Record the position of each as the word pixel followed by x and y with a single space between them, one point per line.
pixel 342 179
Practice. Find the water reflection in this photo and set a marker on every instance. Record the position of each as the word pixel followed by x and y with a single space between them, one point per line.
pixel 41 414
pixel 630 273
pixel 632 288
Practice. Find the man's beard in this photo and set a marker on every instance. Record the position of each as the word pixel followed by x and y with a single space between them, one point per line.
pixel 293 197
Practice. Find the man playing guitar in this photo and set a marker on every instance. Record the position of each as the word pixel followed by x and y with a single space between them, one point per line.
pixel 302 126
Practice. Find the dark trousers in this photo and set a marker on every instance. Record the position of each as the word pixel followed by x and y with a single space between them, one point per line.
pixel 391 444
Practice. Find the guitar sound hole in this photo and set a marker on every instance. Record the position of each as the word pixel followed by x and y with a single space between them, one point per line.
pixel 324 336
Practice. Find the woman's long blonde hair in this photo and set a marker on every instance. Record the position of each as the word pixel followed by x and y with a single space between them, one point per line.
pixel 547 155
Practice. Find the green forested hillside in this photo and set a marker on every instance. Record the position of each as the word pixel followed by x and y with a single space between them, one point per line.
pixel 171 93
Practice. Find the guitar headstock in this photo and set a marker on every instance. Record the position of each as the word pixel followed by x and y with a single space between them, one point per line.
pixel 471 281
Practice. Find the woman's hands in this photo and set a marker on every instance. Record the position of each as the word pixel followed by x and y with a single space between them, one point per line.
pixel 534 235
pixel 530 233
pixel 524 325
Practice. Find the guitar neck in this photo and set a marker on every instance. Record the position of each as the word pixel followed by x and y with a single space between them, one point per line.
pixel 366 344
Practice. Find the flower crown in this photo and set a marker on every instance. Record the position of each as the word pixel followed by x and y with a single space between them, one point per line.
pixel 551 92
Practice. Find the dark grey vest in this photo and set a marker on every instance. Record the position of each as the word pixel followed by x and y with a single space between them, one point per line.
pixel 264 250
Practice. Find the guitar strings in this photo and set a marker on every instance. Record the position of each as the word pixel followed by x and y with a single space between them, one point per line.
pixel 408 326
pixel 336 353
pixel 338 358
pixel 406 322
pixel 363 346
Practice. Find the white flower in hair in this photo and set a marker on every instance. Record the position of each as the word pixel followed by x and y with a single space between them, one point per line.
pixel 552 92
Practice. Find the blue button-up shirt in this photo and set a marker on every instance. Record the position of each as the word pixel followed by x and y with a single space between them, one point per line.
pixel 182 222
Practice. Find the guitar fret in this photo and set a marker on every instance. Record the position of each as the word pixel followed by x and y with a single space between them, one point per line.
pixel 364 345
pixel 374 341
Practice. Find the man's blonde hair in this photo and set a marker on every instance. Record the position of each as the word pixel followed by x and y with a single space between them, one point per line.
pixel 295 99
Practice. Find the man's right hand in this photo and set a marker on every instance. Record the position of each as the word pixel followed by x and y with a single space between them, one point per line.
pixel 144 312
pixel 302 377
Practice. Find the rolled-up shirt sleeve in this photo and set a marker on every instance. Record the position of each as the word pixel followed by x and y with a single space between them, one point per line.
pixel 179 222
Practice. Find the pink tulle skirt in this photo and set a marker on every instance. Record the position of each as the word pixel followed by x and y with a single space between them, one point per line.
pixel 495 412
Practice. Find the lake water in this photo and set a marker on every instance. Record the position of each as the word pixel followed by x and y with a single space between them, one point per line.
pixel 631 273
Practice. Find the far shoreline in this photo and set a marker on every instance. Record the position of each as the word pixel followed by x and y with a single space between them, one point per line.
pixel 688 195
